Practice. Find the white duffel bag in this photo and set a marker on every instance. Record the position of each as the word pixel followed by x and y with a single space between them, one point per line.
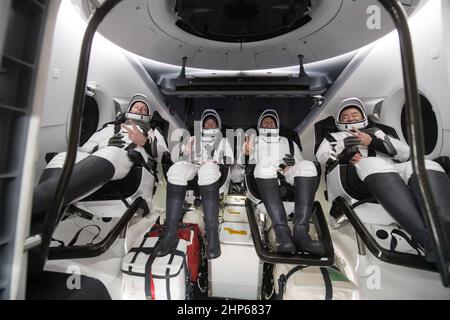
pixel 312 283
pixel 145 277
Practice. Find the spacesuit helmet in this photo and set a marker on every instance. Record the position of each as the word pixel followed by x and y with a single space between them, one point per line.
pixel 269 134
pixel 346 125
pixel 210 134
pixel 139 117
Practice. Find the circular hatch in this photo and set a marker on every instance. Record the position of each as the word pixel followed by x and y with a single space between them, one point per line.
pixel 241 20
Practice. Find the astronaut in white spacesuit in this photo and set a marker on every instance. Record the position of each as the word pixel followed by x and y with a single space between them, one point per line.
pixel 382 163
pixel 202 156
pixel 273 155
pixel 104 157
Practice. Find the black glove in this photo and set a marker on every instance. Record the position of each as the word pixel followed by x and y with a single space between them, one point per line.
pixel 351 142
pixel 289 160
pixel 116 141
pixel 351 149
pixel 370 131
pixel 151 147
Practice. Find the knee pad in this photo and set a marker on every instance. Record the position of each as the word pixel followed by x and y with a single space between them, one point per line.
pixel 208 174
pixel 373 165
pixel 407 169
pixel 60 158
pixel 177 175
pixel 119 159
pixel 265 172
pixel 305 168
pixel 57 161
pixel 432 165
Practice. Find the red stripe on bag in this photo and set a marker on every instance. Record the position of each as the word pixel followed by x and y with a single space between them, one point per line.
pixel 152 287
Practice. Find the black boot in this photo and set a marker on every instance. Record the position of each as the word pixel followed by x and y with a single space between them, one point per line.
pixel 174 205
pixel 305 190
pixel 36 256
pixel 49 173
pixel 87 175
pixel 395 197
pixel 270 195
pixel 38 217
pixel 210 201
pixel 440 188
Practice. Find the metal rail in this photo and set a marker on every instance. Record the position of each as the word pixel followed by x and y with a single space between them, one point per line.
pixel 53 214
pixel 271 256
pixel 415 134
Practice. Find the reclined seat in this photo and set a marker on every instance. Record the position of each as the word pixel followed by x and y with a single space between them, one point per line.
pixel 349 197
pixel 108 203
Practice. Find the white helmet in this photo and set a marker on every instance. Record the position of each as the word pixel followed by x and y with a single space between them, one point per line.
pixel 269 135
pixel 356 103
pixel 210 135
pixel 139 118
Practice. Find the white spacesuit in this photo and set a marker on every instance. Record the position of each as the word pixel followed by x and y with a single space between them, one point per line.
pixel 200 156
pixel 384 167
pixel 274 155
pixel 270 150
pixel 384 154
pixel 104 157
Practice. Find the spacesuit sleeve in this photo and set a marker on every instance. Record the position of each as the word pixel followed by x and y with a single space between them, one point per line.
pixel 184 145
pixel 250 158
pixel 179 150
pixel 98 140
pixel 328 152
pixel 297 153
pixel 228 154
pixel 390 146
pixel 156 148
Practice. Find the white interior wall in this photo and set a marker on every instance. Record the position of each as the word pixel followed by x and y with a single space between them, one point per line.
pixel 379 76
pixel 445 54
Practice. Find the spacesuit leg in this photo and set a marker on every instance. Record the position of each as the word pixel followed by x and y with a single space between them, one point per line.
pixel 306 183
pixel 440 189
pixel 53 168
pixel 181 172
pixel 267 182
pixel 118 158
pixel 406 171
pixel 373 165
pixel 208 180
pixel 88 174
pixel 178 176
pixel 388 187
pixel 48 181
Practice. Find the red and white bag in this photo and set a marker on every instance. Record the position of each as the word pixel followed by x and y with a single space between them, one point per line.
pixel 190 233
pixel 146 277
